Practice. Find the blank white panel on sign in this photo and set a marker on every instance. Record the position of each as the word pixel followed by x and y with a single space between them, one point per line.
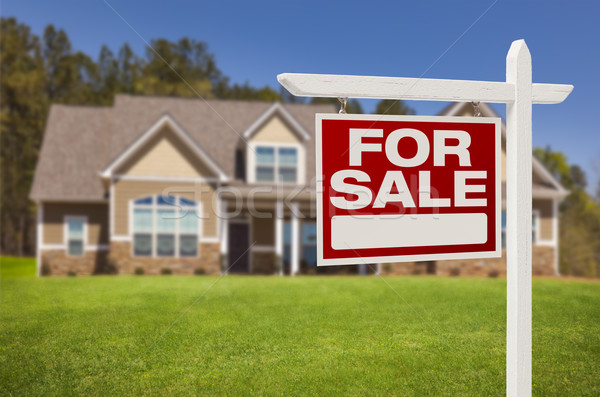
pixel 385 231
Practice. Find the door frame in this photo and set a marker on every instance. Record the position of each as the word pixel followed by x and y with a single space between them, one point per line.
pixel 242 219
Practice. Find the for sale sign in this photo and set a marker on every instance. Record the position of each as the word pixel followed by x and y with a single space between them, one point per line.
pixel 407 188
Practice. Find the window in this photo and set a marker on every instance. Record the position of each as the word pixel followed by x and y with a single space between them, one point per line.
pixel 534 227
pixel 75 235
pixel 309 243
pixel 308 254
pixel 276 164
pixel 165 226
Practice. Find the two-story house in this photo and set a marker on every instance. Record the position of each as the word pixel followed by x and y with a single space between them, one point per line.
pixel 205 186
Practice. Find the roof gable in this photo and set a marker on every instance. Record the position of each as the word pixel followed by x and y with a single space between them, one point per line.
pixel 141 143
pixel 277 110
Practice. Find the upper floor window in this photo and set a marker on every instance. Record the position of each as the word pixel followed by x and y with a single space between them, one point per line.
pixel 75 235
pixel 276 164
pixel 165 226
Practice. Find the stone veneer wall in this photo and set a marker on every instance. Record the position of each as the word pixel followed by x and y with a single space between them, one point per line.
pixel 208 260
pixel 543 265
pixel 57 263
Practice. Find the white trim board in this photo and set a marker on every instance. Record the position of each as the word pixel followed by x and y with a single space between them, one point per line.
pixel 416 89
pixel 151 178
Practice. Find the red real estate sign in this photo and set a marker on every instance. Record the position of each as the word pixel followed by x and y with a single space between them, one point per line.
pixel 407 188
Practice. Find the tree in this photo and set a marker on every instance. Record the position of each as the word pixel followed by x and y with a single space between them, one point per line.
pixel 129 69
pixel 108 74
pixel 248 93
pixel 185 69
pixel 392 106
pixel 22 113
pixel 71 78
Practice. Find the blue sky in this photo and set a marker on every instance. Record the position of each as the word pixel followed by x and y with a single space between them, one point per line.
pixel 253 41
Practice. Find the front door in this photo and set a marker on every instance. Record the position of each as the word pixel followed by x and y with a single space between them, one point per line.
pixel 239 254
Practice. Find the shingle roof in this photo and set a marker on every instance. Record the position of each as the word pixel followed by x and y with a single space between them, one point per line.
pixel 80 141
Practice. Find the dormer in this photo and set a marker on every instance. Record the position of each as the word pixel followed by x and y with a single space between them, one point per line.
pixel 275 150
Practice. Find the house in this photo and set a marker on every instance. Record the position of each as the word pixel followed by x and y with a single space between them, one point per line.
pixel 190 186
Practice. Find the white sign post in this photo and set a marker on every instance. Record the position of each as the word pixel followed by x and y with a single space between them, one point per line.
pixel 519 94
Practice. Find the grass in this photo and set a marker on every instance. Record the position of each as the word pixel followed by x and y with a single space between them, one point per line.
pixel 279 336
pixel 11 267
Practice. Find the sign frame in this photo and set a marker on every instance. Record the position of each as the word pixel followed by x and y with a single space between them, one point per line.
pixel 518 92
pixel 359 259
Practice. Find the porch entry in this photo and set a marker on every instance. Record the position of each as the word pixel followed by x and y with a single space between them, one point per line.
pixel 239 242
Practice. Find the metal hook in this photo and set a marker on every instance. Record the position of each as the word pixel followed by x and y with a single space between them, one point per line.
pixel 344 102
pixel 476 111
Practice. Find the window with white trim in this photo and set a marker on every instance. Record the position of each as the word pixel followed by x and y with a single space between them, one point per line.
pixel 309 243
pixel 75 235
pixel 534 227
pixel 276 164
pixel 165 226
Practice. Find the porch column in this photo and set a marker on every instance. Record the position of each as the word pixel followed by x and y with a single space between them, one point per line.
pixel 295 240
pixel 224 237
pixel 362 269
pixel 279 235
pixel 40 238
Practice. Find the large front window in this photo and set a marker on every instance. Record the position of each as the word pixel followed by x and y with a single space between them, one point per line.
pixel 276 164
pixel 165 226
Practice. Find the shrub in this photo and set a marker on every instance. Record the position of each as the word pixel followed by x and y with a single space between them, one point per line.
pixel 199 271
pixel 455 271
pixel 139 271
pixel 72 273
pixel 493 273
pixel 166 271
pixel 45 269
pixel 387 267
pixel 111 266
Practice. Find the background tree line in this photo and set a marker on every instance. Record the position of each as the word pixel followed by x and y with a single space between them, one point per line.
pixel 37 71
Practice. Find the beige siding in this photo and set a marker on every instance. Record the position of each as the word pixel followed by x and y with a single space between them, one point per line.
pixel 546 220
pixel 275 130
pixel 128 190
pixel 165 155
pixel 54 216
pixel 263 231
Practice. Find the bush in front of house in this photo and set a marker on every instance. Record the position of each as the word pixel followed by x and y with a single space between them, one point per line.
pixel 45 268
pixel 111 266
pixel 165 271
pixel 199 271
pixel 139 271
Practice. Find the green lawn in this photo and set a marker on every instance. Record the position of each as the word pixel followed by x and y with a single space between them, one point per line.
pixel 282 336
